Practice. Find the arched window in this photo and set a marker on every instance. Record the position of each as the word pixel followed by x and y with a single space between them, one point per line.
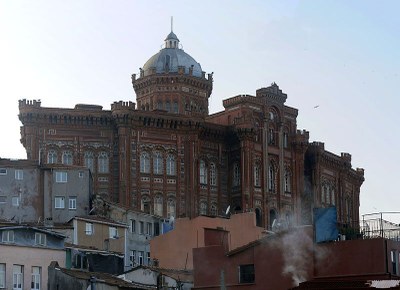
pixel 213 174
pixel 271 136
pixel 103 162
pixel 213 210
pixel 288 177
pixel 171 165
pixel 67 158
pixel 285 140
pixel 236 174
pixel 171 208
pixel 158 205
pixel 168 106
pixel 145 204
pixel 272 218
pixel 323 194
pixel 257 175
pixel 52 157
pixel 203 208
pixel 258 217
pixel 271 178
pixel 175 107
pixel 158 163
pixel 144 163
pixel 89 160
pixel 203 172
pixel 159 105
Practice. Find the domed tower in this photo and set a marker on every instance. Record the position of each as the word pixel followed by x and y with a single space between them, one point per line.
pixel 172 81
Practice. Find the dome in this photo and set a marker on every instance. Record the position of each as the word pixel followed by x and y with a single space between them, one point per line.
pixel 170 58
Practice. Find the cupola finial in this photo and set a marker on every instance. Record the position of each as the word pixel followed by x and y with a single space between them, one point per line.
pixel 172 23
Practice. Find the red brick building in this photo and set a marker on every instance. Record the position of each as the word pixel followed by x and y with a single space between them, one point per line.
pixel 168 156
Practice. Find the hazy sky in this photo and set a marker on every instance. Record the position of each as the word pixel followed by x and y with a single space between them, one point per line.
pixel 341 55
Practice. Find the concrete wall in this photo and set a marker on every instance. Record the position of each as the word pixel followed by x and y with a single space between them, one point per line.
pixel 174 249
pixel 28 257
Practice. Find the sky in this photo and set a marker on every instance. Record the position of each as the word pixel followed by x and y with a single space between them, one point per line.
pixel 338 62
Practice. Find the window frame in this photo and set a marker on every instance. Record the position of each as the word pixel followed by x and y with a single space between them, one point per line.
pixel 19 174
pixel 2 275
pixel 18 277
pixel 113 232
pixel 10 237
pixel 61 202
pixel 72 201
pixel 40 239
pixel 36 278
pixel 61 176
pixel 89 229
pixel 246 274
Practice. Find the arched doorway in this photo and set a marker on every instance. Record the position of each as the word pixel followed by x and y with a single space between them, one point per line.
pixel 272 217
pixel 258 217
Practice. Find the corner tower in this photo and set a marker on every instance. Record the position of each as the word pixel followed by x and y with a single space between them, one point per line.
pixel 172 81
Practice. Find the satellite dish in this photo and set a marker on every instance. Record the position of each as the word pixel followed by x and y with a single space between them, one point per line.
pixel 227 210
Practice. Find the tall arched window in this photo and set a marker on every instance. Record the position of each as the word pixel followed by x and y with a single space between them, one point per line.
pixel 144 163
pixel 171 165
pixel 157 163
pixel 288 177
pixel 159 105
pixel 175 107
pixel 203 172
pixel 203 208
pixel 89 160
pixel 257 175
pixel 236 174
pixel 158 205
pixel 171 208
pixel 102 161
pixel 213 174
pixel 67 158
pixel 271 178
pixel 168 106
pixel 52 157
pixel 258 217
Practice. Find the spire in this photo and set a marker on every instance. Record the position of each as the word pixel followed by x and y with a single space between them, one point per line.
pixel 172 40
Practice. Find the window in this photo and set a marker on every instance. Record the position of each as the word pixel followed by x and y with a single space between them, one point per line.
pixel 236 174
pixel 7 236
pixel 3 171
pixel 133 226
pixel 148 258
pixel 271 139
pixel 132 257
pixel 40 239
pixel 271 178
pixel 171 208
pixel 89 160
pixel 145 206
pixel 145 163
pixel 203 172
pixel 149 229
pixel 158 205
pixel 67 158
pixel 35 284
pixel 393 258
pixel 171 168
pixel 2 275
pixel 246 273
pixel 157 163
pixel 15 200
pixel 141 227
pixel 203 208
pixel 3 199
pixel 141 257
pixel 168 106
pixel 287 181
pixel 257 175
pixel 72 202
pixel 89 229
pixel 213 174
pixel 113 231
pixel 59 202
pixel 61 176
pixel 52 157
pixel 103 162
pixel 285 140
pixel 19 174
pixel 175 107
pixel 18 277
pixel 213 210
pixel 156 229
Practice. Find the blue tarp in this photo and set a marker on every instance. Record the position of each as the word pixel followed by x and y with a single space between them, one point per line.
pixel 325 221
pixel 166 227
